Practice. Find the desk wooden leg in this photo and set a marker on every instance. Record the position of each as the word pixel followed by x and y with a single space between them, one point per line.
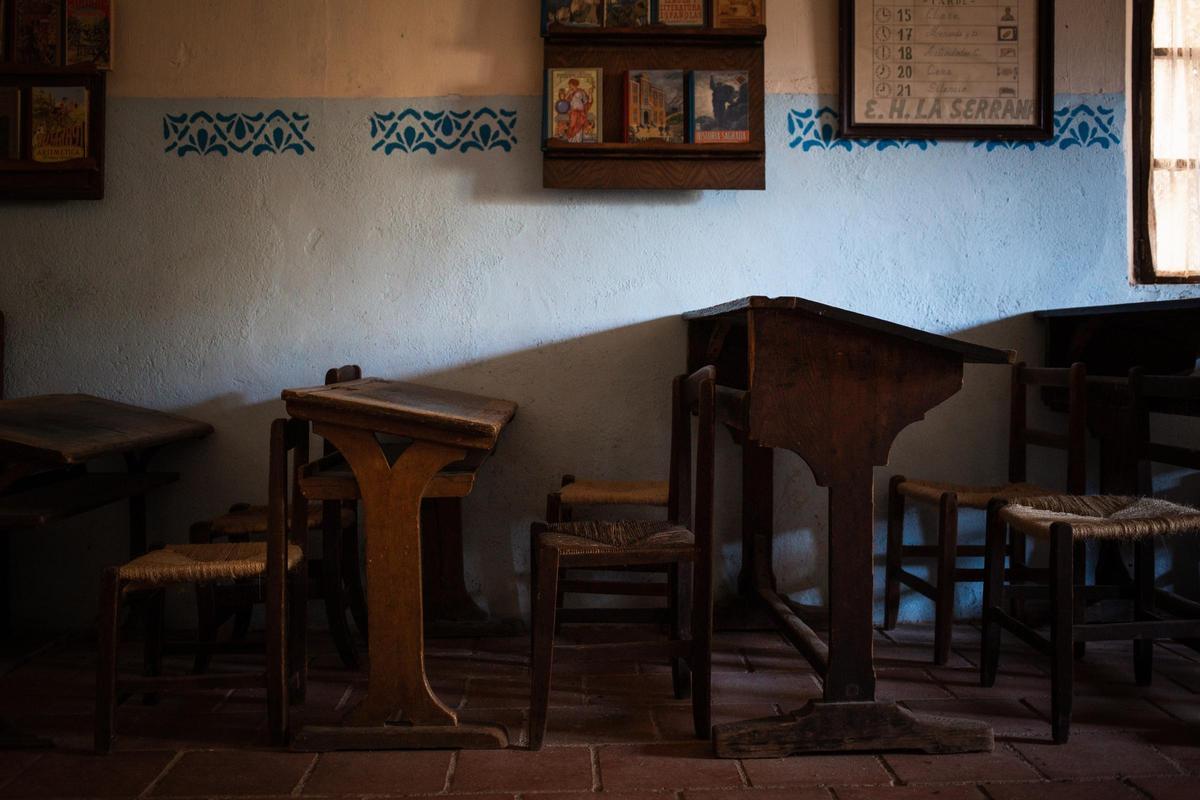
pixel 758 519
pixel 400 710
pixel 849 718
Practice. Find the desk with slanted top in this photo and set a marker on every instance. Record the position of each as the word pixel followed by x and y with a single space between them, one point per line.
pixel 441 428
pixel 46 443
pixel 836 388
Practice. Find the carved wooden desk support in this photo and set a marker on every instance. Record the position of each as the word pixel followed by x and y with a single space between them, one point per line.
pixel 400 710
pixel 836 388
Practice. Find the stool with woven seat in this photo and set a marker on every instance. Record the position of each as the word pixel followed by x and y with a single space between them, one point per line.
pixel 682 544
pixel 1066 522
pixel 949 498
pixel 337 575
pixel 587 493
pixel 277 563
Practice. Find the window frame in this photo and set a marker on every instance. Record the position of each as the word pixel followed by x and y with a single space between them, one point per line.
pixel 1141 104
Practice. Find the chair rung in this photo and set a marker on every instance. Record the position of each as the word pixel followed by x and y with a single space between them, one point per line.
pixel 623 588
pixel 625 650
pixel 933 551
pixel 917 585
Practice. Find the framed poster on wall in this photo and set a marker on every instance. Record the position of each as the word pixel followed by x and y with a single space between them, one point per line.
pixel 947 69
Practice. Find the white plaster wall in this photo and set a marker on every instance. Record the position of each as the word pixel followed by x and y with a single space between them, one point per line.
pixel 205 285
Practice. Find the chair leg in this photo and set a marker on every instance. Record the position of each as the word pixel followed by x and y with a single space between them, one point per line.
pixel 1062 621
pixel 333 590
pixel 1143 600
pixel 106 666
pixel 1080 610
pixel 206 608
pixel 277 657
pixel 297 637
pixel 1017 567
pixel 152 655
pixel 943 629
pixel 993 594
pixel 352 575
pixel 544 572
pixel 702 625
pixel 895 558
pixel 677 602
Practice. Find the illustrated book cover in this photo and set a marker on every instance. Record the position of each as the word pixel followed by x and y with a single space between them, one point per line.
pixel 739 13
pixel 89 32
pixel 627 13
pixel 37 32
pixel 59 123
pixel 686 13
pixel 575 105
pixel 584 13
pixel 10 122
pixel 654 106
pixel 720 110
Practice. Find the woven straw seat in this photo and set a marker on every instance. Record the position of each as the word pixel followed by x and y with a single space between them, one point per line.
pixel 572 538
pixel 1102 517
pixel 616 493
pixel 969 496
pixel 202 563
pixel 252 520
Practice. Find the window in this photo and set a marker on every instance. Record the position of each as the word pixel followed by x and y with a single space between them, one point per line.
pixel 1166 122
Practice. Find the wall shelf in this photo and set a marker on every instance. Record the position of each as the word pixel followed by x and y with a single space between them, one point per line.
pixel 618 165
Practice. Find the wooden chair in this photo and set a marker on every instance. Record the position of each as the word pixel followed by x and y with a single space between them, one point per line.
pixel 279 562
pixel 336 577
pixel 948 498
pixel 1068 521
pixel 561 506
pixel 683 543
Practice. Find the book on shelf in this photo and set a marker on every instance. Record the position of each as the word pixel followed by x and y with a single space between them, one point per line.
pixel 720 107
pixel 579 13
pixel 654 106
pixel 681 13
pixel 59 123
pixel 575 105
pixel 10 122
pixel 627 13
pixel 739 13
pixel 89 33
pixel 37 32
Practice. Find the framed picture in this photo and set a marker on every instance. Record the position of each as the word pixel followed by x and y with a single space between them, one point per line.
pixel 977 70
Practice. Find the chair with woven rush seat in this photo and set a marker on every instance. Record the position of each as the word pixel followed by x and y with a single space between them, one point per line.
pixel 561 506
pixel 1068 521
pixel 337 576
pixel 948 498
pixel 681 544
pixel 278 562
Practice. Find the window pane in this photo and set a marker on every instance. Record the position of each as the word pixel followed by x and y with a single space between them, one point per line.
pixel 1176 221
pixel 1177 23
pixel 1175 110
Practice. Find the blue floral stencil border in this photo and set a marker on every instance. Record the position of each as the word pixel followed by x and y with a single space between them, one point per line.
pixel 260 133
pixel 410 131
pixel 1082 125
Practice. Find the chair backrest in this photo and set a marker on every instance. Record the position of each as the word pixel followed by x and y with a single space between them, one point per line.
pixel 287 511
pixel 1177 395
pixel 349 372
pixel 1074 441
pixel 690 478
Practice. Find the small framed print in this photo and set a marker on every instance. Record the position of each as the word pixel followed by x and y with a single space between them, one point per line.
pixel 982 69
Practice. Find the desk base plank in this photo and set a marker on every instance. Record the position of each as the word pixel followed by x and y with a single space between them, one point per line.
pixel 328 738
pixel 874 727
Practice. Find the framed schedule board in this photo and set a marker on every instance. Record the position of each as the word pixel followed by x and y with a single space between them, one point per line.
pixel 948 69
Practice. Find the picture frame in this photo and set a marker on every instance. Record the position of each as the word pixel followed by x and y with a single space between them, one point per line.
pixel 915 71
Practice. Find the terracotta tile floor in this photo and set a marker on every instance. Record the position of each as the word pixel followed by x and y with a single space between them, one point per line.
pixel 619 733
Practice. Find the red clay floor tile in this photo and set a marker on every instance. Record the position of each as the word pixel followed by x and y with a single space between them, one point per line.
pixel 802 793
pixel 412 772
pixel 1089 790
pixel 1007 717
pixel 595 724
pixel 999 765
pixel 234 772
pixel 654 767
pixel 1182 787
pixel 562 769
pixel 675 724
pixel 1095 756
pixel 830 770
pixel 928 792
pixel 86 775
